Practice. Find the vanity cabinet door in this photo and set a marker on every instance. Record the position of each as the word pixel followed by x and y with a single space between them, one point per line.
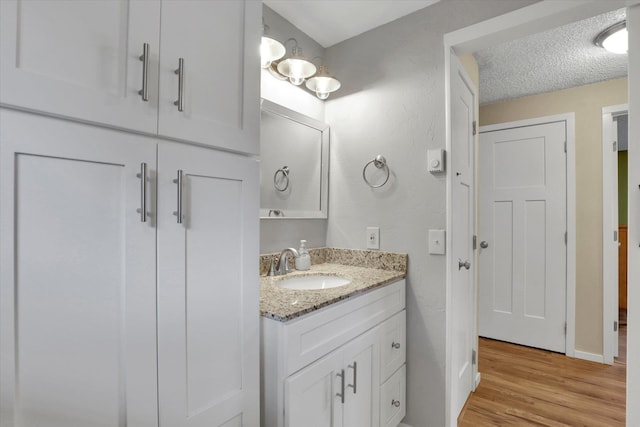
pixel 361 365
pixel 208 312
pixel 393 402
pixel 77 276
pixel 311 395
pixel 219 84
pixel 80 59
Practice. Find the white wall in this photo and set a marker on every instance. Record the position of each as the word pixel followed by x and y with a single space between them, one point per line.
pixel 277 234
pixel 633 332
pixel 392 103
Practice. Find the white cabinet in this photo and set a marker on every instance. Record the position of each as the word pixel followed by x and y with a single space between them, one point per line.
pixel 86 286
pixel 82 60
pixel 77 277
pixel 218 42
pixel 338 390
pixel 329 368
pixel 208 288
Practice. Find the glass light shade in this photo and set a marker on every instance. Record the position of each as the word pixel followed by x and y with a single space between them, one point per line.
pixel 296 68
pixel 270 50
pixel 323 85
pixel 615 39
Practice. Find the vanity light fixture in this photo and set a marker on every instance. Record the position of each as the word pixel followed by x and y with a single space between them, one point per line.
pixel 323 83
pixel 615 39
pixel 296 67
pixel 270 49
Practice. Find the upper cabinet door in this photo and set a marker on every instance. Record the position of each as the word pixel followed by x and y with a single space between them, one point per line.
pixel 218 87
pixel 81 59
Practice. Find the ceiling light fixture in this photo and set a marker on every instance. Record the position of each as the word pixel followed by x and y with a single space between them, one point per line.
pixel 270 49
pixel 296 67
pixel 615 39
pixel 323 83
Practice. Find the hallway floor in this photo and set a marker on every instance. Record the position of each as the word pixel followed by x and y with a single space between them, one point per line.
pixel 523 386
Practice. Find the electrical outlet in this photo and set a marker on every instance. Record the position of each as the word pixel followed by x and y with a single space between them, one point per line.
pixel 373 237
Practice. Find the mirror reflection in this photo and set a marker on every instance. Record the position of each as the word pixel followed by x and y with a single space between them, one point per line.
pixel 294 152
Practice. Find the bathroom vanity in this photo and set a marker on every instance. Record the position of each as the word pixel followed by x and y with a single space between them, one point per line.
pixel 335 357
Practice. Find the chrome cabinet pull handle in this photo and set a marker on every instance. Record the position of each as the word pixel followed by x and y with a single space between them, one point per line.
pixel 144 92
pixel 178 181
pixel 395 345
pixel 142 210
pixel 341 394
pixel 180 72
pixel 355 377
pixel 395 403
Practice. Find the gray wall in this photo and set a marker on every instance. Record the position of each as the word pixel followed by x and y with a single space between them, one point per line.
pixel 392 102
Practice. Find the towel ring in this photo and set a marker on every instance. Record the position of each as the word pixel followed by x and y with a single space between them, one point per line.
pixel 285 177
pixel 379 162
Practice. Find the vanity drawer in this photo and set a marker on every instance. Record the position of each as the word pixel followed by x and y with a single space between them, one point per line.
pixel 393 349
pixel 393 399
pixel 310 337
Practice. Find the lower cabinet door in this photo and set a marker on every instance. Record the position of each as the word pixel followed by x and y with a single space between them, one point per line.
pixel 393 399
pixel 77 276
pixel 360 361
pixel 314 397
pixel 392 344
pixel 208 312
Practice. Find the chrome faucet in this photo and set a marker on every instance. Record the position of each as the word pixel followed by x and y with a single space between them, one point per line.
pixel 283 264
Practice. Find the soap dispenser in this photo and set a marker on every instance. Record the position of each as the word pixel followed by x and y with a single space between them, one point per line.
pixel 303 261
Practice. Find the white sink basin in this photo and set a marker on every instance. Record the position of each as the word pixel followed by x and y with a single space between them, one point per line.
pixel 319 281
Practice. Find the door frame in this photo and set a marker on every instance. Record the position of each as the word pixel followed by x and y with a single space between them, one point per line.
pixel 538 17
pixel 570 123
pixel 609 257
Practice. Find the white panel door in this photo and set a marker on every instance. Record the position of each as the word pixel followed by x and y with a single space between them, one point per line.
pixel 361 362
pixel 218 42
pixel 208 320
pixel 311 396
pixel 462 230
pixel 80 59
pixel 77 301
pixel 523 214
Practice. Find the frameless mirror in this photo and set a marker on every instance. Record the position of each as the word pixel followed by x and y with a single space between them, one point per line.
pixel 294 167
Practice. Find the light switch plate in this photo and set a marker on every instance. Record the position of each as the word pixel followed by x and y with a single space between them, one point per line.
pixel 436 242
pixel 435 160
pixel 373 237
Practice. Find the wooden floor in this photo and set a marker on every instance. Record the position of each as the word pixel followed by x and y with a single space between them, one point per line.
pixel 522 386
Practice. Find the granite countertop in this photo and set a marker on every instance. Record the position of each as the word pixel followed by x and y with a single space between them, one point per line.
pixel 366 270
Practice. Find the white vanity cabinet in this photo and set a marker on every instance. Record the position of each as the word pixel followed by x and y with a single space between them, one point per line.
pixel 82 60
pixel 113 315
pixel 329 367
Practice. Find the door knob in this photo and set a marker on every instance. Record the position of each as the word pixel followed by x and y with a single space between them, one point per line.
pixel 465 264
pixel 484 244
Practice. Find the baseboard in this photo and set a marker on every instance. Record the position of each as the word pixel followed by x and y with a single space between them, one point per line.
pixel 403 425
pixel 477 381
pixel 592 357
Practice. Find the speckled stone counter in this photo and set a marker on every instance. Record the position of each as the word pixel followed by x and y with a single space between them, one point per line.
pixel 366 270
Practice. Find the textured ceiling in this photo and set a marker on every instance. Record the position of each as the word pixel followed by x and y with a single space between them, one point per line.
pixel 557 59
pixel 330 22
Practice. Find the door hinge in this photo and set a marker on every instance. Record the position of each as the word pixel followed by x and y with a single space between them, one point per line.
pixel 474 127
pixel 565 328
pixel 615 235
pixel 566 237
pixel 475 242
pixel 615 146
pixel 473 357
pixel 565 146
pixel 615 326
